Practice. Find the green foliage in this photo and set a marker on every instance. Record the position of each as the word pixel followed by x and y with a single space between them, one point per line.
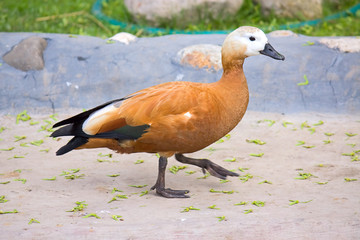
pixel 248 14
pixel 74 17
pixel 187 209
pixel 33 220
pixel 24 16
pixel 80 206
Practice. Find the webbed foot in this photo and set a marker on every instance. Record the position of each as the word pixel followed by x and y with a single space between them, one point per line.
pixel 170 193
pixel 160 183
pixel 212 168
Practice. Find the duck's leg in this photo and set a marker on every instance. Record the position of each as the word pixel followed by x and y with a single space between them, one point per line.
pixel 160 183
pixel 211 167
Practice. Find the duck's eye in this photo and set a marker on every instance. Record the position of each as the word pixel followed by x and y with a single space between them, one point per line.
pixel 251 38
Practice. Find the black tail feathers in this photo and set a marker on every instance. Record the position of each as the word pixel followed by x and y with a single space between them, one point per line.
pixel 73 127
pixel 75 142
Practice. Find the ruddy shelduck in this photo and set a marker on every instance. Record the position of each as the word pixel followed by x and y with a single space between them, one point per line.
pixel 176 117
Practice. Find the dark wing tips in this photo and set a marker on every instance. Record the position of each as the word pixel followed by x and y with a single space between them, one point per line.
pixel 75 142
pixel 84 115
pixel 58 124
pixel 74 128
pixel 64 131
pixel 77 118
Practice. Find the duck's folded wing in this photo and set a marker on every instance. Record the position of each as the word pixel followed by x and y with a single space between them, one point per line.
pixel 84 115
pixel 167 105
pixel 102 121
pixel 148 106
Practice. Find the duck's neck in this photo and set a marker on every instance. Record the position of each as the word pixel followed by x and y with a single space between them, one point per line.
pixel 233 76
pixel 232 91
pixel 230 65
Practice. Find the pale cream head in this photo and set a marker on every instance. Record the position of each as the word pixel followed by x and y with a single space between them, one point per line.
pixel 244 42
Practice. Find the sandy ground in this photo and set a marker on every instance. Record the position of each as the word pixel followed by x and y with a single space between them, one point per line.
pixel 327 206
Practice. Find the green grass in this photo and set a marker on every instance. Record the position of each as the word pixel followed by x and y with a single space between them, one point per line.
pixel 22 15
pixel 74 17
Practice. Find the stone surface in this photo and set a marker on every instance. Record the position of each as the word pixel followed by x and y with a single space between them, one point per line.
pixel 83 72
pixel 309 9
pixel 201 56
pixel 347 44
pixel 151 10
pixel 27 55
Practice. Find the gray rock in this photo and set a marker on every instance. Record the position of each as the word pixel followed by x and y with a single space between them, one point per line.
pixel 346 44
pixel 83 72
pixel 152 10
pixel 27 55
pixel 201 56
pixel 124 37
pixel 282 33
pixel 309 9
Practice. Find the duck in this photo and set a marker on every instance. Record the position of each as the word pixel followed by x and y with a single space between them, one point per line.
pixel 174 118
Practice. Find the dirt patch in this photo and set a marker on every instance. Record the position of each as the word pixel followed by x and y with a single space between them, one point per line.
pixel 302 187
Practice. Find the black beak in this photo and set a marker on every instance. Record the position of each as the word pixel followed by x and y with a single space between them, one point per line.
pixel 271 52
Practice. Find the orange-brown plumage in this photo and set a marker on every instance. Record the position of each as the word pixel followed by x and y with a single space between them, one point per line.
pixel 214 109
pixel 175 117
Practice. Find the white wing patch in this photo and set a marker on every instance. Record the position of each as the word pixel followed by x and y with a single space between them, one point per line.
pixel 188 114
pixel 96 118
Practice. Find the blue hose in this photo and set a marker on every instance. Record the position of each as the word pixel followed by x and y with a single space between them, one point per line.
pixel 97 11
